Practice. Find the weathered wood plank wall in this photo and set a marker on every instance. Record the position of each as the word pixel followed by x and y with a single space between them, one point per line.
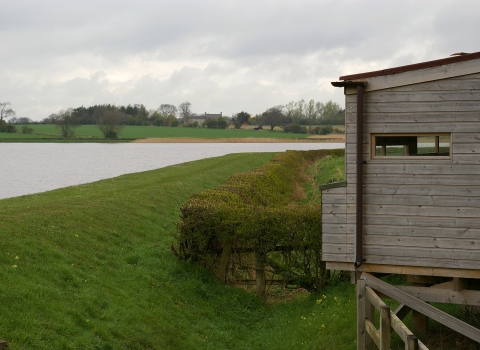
pixel 416 212
pixel 337 245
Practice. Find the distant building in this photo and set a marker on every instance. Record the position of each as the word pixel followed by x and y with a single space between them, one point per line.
pixel 200 119
pixel 212 115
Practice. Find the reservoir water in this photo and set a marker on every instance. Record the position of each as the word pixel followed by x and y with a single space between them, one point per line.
pixel 28 168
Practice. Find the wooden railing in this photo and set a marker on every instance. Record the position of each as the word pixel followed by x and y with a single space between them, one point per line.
pixel 367 302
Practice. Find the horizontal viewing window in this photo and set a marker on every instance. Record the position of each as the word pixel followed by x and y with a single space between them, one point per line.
pixel 411 145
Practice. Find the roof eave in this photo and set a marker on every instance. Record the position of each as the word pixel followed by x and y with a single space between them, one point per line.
pixel 412 67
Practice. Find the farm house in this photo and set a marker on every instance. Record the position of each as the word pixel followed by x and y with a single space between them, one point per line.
pixel 411 201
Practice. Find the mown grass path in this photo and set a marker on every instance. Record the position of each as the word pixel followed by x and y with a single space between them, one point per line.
pixel 90 267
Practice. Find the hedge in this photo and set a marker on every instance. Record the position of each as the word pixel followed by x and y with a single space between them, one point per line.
pixel 257 212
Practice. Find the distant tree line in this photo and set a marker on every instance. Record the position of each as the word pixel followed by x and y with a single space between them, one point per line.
pixel 131 115
pixel 295 117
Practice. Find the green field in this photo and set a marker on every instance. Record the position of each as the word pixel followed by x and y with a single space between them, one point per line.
pixel 90 267
pixel 46 132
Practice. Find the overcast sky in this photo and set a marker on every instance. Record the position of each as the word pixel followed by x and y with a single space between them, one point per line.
pixel 222 56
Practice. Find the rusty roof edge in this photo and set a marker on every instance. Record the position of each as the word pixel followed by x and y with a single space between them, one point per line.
pixel 412 67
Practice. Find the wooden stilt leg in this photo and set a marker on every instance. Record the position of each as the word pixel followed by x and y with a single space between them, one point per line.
pixel 361 299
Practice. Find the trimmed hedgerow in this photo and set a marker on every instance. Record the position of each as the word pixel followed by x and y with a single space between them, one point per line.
pixel 257 211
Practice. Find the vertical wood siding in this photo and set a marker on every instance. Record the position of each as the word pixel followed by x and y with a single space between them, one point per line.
pixel 417 212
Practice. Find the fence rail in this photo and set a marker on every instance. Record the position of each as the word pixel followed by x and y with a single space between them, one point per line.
pixel 367 302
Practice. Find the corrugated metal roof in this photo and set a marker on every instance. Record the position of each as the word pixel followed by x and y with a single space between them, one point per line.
pixel 411 67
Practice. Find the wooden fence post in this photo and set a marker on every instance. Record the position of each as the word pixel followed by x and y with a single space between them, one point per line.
pixel 385 326
pixel 225 257
pixel 3 345
pixel 361 300
pixel 411 343
pixel 260 274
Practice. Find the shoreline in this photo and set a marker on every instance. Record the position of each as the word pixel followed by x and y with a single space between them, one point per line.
pixel 337 138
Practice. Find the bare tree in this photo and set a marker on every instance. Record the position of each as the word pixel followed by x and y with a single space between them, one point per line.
pixel 295 110
pixel 310 112
pixel 49 120
pixel 331 110
pixel 67 122
pixel 6 111
pixel 111 122
pixel 274 117
pixel 166 110
pixel 185 111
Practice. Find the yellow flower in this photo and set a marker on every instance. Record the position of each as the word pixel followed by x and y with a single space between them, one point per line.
pixel 14 266
pixel 16 257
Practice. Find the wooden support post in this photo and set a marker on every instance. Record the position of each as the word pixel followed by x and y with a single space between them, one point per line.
pixel 419 323
pixel 459 284
pixel 260 274
pixel 419 320
pixel 402 311
pixel 385 327
pixel 353 277
pixel 3 345
pixel 411 343
pixel 361 300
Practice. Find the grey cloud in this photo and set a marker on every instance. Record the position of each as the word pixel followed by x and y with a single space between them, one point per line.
pixel 236 55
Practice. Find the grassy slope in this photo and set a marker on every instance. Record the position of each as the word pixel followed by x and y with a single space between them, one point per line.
pixel 139 132
pixel 90 267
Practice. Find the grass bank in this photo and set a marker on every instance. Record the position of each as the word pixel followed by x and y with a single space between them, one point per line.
pixel 90 267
